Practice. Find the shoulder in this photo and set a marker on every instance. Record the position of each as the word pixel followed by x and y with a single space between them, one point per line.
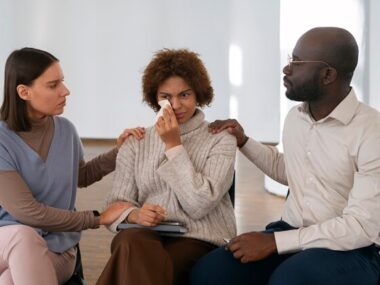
pixel 131 144
pixel 367 119
pixel 367 112
pixel 65 128
pixel 297 110
pixel 7 137
pixel 221 140
pixel 4 131
pixel 63 122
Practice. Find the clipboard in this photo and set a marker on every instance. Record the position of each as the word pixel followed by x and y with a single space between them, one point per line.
pixel 164 227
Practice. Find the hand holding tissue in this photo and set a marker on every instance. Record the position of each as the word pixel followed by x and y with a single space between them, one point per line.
pixel 163 104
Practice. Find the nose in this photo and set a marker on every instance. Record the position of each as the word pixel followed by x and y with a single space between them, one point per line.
pixel 175 102
pixel 65 91
pixel 287 69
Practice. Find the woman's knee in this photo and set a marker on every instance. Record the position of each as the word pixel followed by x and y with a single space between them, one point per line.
pixel 26 236
pixel 129 237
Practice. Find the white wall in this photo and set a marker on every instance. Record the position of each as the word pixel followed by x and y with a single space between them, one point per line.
pixel 374 54
pixel 105 45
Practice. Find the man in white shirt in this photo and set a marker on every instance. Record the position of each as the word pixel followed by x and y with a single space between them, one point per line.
pixel 329 231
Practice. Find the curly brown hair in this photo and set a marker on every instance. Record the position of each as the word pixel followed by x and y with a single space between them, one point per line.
pixel 176 62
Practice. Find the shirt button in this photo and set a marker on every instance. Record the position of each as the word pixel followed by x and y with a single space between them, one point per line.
pixel 311 179
pixel 308 153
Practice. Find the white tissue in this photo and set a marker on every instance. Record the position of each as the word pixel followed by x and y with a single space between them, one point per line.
pixel 163 104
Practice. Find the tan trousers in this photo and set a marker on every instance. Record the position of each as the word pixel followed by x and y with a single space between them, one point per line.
pixel 26 260
pixel 144 257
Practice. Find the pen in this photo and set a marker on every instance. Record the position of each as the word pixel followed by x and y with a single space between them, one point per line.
pixel 227 241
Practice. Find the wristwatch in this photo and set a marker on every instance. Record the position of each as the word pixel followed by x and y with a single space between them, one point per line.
pixel 97 218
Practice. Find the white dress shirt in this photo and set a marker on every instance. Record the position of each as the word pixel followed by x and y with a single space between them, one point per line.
pixel 332 167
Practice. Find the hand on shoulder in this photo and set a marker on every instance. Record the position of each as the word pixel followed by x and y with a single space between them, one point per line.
pixel 232 126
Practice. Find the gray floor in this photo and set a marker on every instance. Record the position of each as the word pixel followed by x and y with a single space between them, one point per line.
pixel 254 208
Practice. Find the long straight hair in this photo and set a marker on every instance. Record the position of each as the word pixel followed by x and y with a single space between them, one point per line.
pixel 23 66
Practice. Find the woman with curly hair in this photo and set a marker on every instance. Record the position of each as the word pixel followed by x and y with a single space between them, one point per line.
pixel 177 172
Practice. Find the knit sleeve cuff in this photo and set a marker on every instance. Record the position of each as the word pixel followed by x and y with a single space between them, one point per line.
pixel 113 227
pixel 287 241
pixel 174 151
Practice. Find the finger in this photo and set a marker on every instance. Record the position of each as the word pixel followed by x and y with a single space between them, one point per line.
pixel 137 132
pixel 234 245
pixel 154 214
pixel 173 119
pixel 244 259
pixel 167 118
pixel 134 133
pixel 124 136
pixel 214 124
pixel 159 209
pixel 238 254
pixel 147 219
pixel 158 214
pixel 159 125
pixel 219 125
pixel 141 132
pixel 160 219
pixel 148 213
pixel 235 132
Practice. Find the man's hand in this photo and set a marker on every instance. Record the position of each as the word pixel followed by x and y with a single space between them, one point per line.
pixel 138 133
pixel 148 215
pixel 168 129
pixel 232 126
pixel 252 246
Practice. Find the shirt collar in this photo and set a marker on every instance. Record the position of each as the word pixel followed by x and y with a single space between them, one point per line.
pixel 343 112
pixel 195 122
pixel 346 109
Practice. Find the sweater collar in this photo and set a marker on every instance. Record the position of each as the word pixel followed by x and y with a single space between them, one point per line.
pixel 195 121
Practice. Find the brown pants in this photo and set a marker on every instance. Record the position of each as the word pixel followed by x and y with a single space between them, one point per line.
pixel 143 257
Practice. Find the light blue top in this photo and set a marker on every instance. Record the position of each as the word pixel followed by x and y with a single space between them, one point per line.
pixel 52 182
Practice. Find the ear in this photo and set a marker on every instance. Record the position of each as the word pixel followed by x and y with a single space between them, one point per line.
pixel 329 75
pixel 23 92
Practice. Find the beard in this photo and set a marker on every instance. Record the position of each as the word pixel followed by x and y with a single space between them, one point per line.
pixel 309 91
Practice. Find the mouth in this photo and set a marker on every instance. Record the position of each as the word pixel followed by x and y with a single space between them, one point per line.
pixel 63 104
pixel 287 83
pixel 180 115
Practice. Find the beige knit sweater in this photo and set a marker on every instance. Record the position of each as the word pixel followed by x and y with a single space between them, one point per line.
pixel 192 186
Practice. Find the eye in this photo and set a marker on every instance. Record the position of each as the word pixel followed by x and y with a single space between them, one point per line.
pixel 185 94
pixel 53 85
pixel 163 96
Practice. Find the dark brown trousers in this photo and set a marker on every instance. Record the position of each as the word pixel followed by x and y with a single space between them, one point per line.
pixel 144 257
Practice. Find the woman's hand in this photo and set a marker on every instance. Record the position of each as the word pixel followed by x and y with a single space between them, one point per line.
pixel 148 215
pixel 168 129
pixel 113 212
pixel 138 133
